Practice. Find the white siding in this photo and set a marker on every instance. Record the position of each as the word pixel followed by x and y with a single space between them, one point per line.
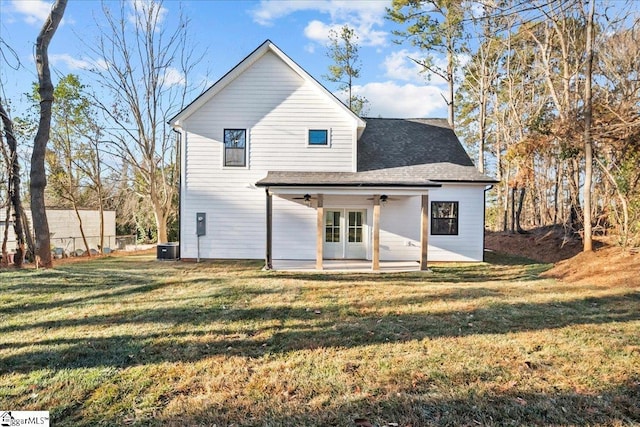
pixel 400 229
pixel 294 226
pixel 400 226
pixel 277 107
pixel 468 245
pixel 294 230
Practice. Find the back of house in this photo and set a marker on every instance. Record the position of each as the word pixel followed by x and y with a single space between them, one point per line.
pixel 274 166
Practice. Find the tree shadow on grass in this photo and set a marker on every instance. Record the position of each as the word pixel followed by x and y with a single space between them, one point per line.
pixel 254 332
pixel 418 406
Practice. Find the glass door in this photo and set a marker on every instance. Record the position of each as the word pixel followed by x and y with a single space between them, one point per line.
pixel 356 247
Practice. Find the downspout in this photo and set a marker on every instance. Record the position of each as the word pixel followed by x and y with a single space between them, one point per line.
pixel 484 218
pixel 179 164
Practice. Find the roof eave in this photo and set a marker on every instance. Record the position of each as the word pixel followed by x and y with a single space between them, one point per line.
pixel 351 185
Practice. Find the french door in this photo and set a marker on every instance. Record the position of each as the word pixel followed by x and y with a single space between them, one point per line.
pixel 345 234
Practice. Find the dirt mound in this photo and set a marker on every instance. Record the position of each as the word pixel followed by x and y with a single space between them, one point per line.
pixel 608 264
pixel 548 244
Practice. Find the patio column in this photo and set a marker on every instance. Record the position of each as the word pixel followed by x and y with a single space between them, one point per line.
pixel 375 256
pixel 424 232
pixel 268 256
pixel 319 233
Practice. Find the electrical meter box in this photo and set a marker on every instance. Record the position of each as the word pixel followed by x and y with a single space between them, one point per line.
pixel 201 224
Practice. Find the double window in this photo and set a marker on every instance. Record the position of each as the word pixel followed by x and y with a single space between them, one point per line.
pixel 235 147
pixel 444 218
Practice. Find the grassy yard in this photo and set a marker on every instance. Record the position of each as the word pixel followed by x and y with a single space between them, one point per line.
pixel 134 341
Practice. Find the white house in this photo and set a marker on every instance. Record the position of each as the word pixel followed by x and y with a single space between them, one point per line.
pixel 274 166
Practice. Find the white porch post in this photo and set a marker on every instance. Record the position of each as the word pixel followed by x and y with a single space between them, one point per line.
pixel 375 256
pixel 319 233
pixel 424 232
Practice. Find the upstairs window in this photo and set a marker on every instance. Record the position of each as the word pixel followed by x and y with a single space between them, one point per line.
pixel 444 218
pixel 318 137
pixel 235 147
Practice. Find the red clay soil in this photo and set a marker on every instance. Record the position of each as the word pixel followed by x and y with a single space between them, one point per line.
pixel 608 262
pixel 548 245
pixel 609 266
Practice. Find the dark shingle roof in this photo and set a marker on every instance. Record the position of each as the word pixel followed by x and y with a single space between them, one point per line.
pixel 345 179
pixel 425 147
pixel 397 152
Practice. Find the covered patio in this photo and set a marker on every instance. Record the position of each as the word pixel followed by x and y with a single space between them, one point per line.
pixel 314 187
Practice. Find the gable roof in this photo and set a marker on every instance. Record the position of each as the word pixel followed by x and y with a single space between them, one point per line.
pixel 267 46
pixel 397 152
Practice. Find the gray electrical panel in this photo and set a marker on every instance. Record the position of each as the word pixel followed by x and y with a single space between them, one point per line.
pixel 201 224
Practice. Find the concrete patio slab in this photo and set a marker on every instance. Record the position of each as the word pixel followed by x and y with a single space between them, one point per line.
pixel 347 266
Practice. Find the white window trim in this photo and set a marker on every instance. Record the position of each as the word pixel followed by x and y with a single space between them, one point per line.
pixel 246 149
pixel 327 145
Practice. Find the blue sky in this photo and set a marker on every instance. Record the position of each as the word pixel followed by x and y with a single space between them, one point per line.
pixel 230 30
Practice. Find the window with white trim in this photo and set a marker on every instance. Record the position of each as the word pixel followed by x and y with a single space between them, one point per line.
pixel 235 147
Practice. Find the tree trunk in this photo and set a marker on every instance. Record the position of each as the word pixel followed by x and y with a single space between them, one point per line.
pixel 84 237
pixel 5 237
pixel 38 174
pixel 513 210
pixel 451 83
pixel 505 208
pixel 101 209
pixel 13 169
pixel 31 251
pixel 519 210
pixel 161 222
pixel 588 148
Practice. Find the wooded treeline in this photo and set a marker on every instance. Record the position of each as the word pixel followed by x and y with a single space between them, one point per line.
pixel 520 74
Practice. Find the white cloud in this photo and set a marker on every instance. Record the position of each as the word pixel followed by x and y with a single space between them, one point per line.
pixel 318 31
pixel 173 77
pixel 361 15
pixel 399 66
pixel 75 63
pixel 34 11
pixel 388 99
pixel 141 8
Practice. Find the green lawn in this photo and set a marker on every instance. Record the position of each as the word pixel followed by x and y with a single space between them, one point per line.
pixel 134 341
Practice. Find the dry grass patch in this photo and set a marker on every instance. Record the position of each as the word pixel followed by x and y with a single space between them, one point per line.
pixel 133 341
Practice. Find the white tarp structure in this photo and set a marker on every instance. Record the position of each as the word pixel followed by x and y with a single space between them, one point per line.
pixel 64 227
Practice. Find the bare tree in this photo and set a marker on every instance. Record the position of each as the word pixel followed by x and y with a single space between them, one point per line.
pixel 145 67
pixel 38 173
pixel 588 147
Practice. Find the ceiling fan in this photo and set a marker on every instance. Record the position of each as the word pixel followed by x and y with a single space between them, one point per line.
pixel 307 199
pixel 383 198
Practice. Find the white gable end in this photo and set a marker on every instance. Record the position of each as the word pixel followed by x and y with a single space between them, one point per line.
pixel 277 106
